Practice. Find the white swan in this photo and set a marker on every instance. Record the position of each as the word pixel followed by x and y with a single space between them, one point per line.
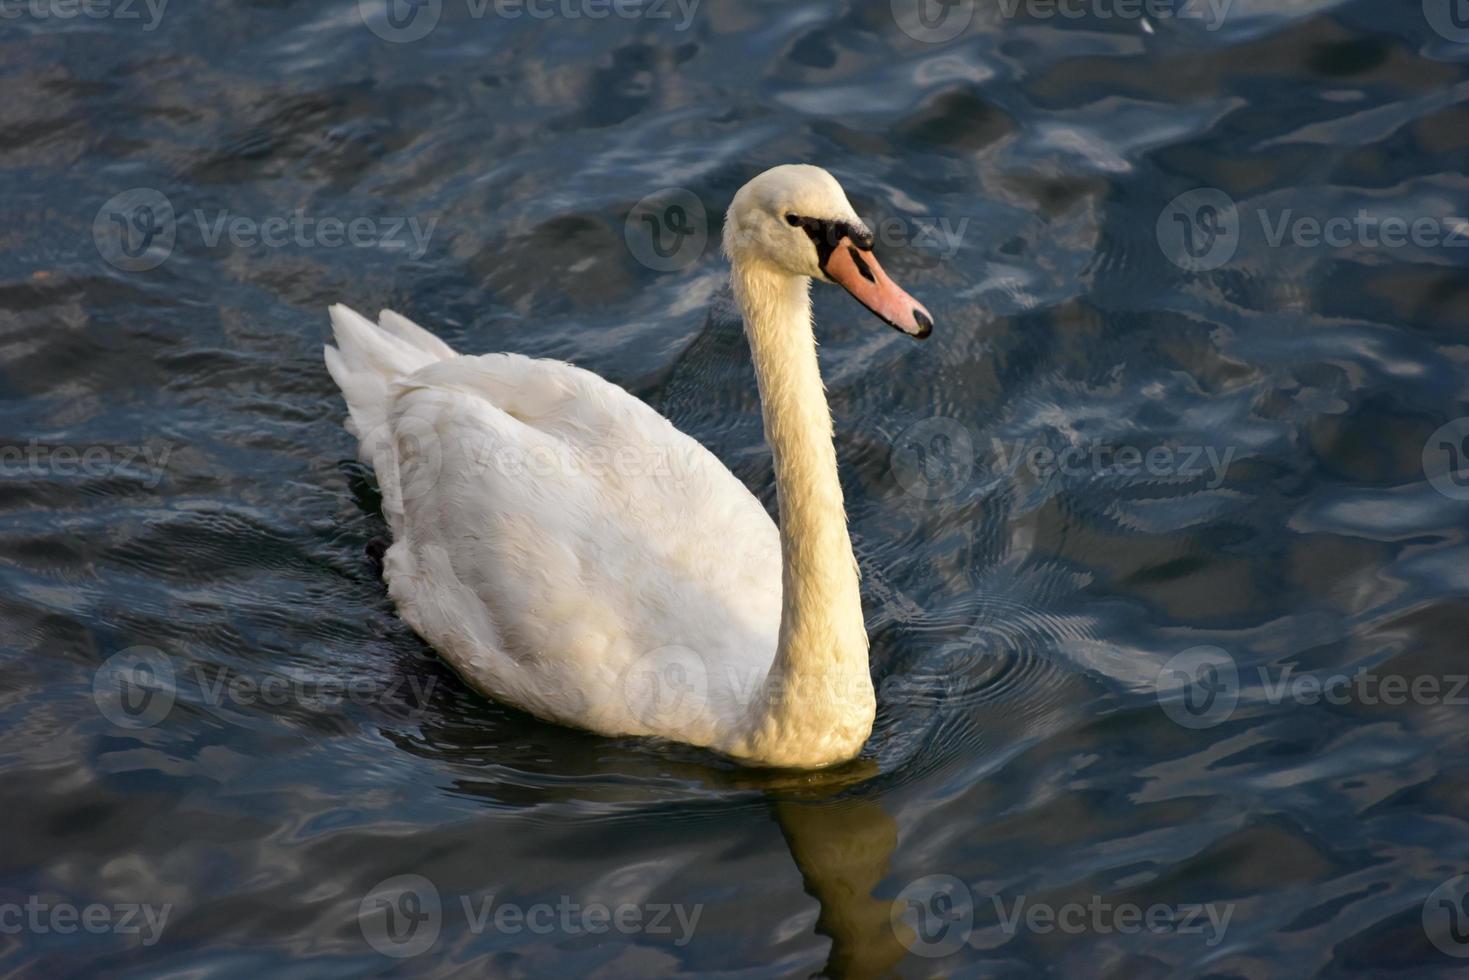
pixel 569 552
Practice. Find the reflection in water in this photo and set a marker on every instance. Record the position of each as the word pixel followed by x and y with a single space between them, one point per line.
pixel 844 850
pixel 839 836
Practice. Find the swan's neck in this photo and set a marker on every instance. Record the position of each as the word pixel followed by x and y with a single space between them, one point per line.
pixel 818 700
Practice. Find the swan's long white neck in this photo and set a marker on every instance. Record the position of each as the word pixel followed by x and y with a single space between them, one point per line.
pixel 818 698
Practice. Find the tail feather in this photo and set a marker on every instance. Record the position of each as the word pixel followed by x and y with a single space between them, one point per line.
pixel 368 360
pixel 370 357
pixel 414 335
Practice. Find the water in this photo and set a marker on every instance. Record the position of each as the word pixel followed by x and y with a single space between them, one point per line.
pixel 177 480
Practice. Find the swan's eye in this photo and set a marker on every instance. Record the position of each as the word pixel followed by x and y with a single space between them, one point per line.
pixel 792 220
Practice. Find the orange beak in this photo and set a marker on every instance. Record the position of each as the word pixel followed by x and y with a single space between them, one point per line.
pixel 857 271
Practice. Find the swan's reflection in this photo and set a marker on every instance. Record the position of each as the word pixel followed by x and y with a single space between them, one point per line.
pixel 843 847
pixel 838 833
pixel 842 840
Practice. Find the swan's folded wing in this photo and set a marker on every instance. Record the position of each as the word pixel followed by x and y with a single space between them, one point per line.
pixel 590 530
pixel 552 396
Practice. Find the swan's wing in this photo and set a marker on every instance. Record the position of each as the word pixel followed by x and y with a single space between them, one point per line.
pixel 558 531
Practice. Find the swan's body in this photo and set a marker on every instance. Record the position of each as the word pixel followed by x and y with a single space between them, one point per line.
pixel 570 552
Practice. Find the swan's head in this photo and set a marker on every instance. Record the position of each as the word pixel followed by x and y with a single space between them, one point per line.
pixel 796 219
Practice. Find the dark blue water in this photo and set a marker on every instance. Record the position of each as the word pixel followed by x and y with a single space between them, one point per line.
pixel 1163 536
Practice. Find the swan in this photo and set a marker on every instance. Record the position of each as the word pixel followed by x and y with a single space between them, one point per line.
pixel 569 552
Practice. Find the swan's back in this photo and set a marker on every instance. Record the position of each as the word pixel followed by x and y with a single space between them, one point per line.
pixel 551 531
